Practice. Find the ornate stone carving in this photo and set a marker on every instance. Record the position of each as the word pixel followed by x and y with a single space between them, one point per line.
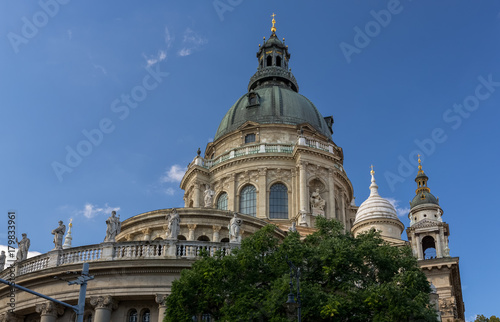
pixel 103 302
pixel 22 248
pixel 113 227
pixel 173 224
pixel 49 308
pixel 208 196
pixel 10 317
pixel 317 203
pixel 216 228
pixel 235 229
pixel 58 235
pixel 160 299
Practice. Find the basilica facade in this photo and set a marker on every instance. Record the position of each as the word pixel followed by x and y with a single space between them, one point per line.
pixel 272 160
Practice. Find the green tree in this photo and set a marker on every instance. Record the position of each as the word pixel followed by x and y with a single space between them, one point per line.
pixel 482 318
pixel 342 279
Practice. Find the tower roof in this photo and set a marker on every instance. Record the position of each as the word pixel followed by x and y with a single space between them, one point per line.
pixel 375 207
pixel 272 96
pixel 423 193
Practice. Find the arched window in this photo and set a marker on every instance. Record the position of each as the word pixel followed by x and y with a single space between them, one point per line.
pixel 203 238
pixel 224 240
pixel 269 60
pixel 278 201
pixel 146 315
pixel 278 61
pixel 222 201
pixel 429 247
pixel 248 200
pixel 181 237
pixel 132 316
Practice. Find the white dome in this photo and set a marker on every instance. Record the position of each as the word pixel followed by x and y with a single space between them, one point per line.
pixel 375 207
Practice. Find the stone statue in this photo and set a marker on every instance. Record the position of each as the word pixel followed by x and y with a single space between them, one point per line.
pixel 114 227
pixel 303 219
pixel 2 260
pixel 293 228
pixel 58 235
pixel 317 203
pixel 209 196
pixel 234 229
pixel 174 226
pixel 22 248
pixel 439 213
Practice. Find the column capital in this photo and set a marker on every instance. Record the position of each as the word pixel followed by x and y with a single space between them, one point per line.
pixel 160 299
pixel 104 302
pixel 11 317
pixel 191 226
pixel 49 308
pixel 216 228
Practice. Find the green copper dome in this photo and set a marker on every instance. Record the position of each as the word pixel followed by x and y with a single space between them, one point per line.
pixel 423 194
pixel 273 105
pixel 272 96
pixel 422 198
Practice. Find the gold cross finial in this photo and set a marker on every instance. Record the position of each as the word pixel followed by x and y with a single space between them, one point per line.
pixel 273 28
pixel 372 172
pixel 419 164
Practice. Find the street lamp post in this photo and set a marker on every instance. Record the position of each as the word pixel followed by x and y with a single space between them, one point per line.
pixel 291 302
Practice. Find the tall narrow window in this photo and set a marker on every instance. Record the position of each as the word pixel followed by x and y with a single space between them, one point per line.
pixel 249 138
pixel 278 201
pixel 269 61
pixel 278 61
pixel 146 315
pixel 132 316
pixel 248 200
pixel 222 201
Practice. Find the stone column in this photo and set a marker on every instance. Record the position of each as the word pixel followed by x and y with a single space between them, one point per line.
pixel 439 245
pixel 162 306
pixel 262 196
pixel 294 206
pixel 420 252
pixel 304 205
pixel 216 236
pixel 331 195
pixel 103 306
pixel 147 234
pixel 197 195
pixel 342 208
pixel 191 228
pixel 231 193
pixel 49 311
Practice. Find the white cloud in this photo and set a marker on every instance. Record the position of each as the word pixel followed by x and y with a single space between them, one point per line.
pixel 90 210
pixel 159 57
pixel 401 211
pixel 174 174
pixel 191 41
pixel 184 52
pixel 169 191
pixel 102 69
pixel 168 38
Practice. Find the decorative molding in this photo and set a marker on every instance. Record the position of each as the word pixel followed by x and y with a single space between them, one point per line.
pixel 104 302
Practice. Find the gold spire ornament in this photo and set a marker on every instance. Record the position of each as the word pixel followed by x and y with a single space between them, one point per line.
pixel 372 172
pixel 273 28
pixel 420 171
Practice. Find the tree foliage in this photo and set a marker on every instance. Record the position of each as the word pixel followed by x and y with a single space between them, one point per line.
pixel 482 318
pixel 342 279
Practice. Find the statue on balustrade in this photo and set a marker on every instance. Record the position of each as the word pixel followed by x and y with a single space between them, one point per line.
pixel 58 235
pixel 113 227
pixel 209 196
pixel 317 203
pixel 174 224
pixel 2 260
pixel 235 229
pixel 22 248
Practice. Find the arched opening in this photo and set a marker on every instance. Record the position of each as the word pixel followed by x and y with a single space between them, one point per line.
pixel 132 315
pixel 203 238
pixel 88 318
pixel 278 201
pixel 224 240
pixel 146 316
pixel 158 238
pixel 278 61
pixel 269 61
pixel 428 247
pixel 222 201
pixel 181 237
pixel 248 200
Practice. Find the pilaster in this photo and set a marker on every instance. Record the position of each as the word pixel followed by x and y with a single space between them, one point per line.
pixel 162 305
pixel 216 236
pixel 262 195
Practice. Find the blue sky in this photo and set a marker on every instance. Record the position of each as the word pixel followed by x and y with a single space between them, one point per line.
pixel 156 80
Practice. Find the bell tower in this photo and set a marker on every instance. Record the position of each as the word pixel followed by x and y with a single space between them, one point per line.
pixel 428 236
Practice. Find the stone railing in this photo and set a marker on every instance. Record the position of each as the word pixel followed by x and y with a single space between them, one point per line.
pixel 120 251
pixel 246 150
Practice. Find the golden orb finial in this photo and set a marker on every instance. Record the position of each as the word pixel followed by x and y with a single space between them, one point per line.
pixel 273 28
pixel 71 222
pixel 419 164
pixel 372 172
